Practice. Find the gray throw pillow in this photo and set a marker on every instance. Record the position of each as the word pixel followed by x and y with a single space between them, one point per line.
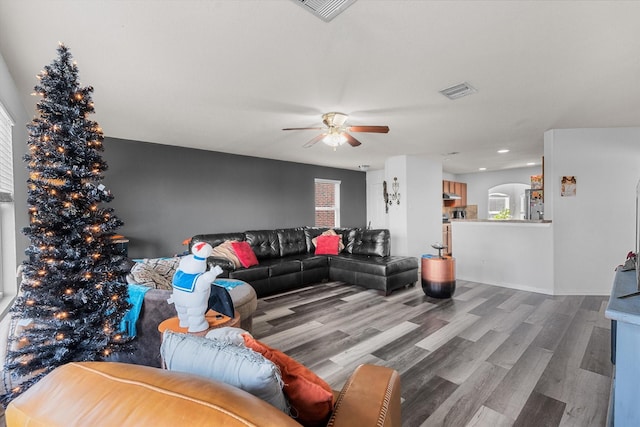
pixel 222 361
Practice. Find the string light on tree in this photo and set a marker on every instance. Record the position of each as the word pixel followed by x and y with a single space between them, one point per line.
pixel 72 298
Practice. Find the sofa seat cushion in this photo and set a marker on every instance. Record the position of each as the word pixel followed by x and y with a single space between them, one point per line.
pixel 379 266
pixel 251 274
pixel 311 262
pixel 282 266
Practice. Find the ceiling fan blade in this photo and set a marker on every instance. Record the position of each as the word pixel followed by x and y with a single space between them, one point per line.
pixel 372 129
pixel 314 140
pixel 303 128
pixel 351 140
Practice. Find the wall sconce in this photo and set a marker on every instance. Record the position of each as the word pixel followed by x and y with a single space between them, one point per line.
pixel 389 198
pixel 395 196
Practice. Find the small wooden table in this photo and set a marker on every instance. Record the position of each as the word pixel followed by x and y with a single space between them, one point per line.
pixel 215 319
pixel 438 276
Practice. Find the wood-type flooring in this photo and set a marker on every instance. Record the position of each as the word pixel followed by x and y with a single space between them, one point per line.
pixel 490 356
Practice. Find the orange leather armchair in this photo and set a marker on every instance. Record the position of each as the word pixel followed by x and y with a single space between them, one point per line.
pixel 118 394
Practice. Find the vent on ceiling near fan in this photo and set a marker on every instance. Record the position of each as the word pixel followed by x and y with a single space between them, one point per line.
pixel 325 9
pixel 458 91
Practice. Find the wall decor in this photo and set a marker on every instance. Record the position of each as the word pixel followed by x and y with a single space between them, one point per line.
pixel 568 186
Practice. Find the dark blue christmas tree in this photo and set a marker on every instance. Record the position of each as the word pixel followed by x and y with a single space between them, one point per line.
pixel 71 298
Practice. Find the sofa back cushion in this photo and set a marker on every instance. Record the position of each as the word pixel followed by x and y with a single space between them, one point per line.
pixel 216 239
pixel 311 233
pixel 372 242
pixel 265 243
pixel 292 241
pixel 348 237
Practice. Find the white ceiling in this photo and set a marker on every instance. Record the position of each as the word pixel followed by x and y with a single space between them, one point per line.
pixel 229 75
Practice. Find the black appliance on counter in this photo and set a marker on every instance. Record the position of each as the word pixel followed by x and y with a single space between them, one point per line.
pixel 459 214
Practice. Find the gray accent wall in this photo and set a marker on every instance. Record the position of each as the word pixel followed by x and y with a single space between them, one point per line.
pixel 165 194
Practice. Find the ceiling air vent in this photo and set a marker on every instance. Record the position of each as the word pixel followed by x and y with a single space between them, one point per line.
pixel 458 91
pixel 325 9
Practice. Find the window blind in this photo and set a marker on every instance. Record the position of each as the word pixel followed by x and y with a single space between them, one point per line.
pixel 6 157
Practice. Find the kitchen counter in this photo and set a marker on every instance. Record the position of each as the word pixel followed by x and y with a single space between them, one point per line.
pixel 507 221
pixel 514 254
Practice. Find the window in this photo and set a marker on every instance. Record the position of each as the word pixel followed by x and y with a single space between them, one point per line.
pixel 498 202
pixel 327 203
pixel 7 220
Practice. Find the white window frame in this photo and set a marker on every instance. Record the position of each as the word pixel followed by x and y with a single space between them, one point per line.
pixel 7 214
pixel 336 207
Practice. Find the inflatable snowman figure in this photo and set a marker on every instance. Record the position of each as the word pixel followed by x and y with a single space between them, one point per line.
pixel 192 286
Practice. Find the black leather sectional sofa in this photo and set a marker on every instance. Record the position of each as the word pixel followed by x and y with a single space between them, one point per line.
pixel 287 260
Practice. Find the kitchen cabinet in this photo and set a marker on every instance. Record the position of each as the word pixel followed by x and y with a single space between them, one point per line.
pixel 463 194
pixel 459 188
pixel 446 238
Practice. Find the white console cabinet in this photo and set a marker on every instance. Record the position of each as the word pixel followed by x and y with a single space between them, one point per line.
pixel 624 408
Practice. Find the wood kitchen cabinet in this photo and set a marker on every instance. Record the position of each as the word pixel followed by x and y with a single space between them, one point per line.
pixel 462 194
pixel 445 186
pixel 459 188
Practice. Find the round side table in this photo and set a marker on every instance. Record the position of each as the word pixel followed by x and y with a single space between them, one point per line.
pixel 438 276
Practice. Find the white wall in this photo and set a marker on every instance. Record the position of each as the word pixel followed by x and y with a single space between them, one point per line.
pixel 397 215
pixel 479 183
pixel 416 222
pixel 594 230
pixel 424 202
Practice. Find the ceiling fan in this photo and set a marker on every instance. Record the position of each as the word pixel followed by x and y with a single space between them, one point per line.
pixel 336 133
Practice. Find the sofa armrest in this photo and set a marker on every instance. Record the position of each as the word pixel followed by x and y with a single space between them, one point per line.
pixel 370 397
pixel 224 263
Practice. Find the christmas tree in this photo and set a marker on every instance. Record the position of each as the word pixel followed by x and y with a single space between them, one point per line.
pixel 71 299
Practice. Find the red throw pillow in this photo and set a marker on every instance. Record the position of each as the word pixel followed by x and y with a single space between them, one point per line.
pixel 245 254
pixel 308 394
pixel 328 245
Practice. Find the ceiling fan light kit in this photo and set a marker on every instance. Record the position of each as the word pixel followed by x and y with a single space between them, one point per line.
pixel 336 133
pixel 334 139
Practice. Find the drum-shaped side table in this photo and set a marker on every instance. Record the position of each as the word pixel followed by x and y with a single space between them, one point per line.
pixel 438 276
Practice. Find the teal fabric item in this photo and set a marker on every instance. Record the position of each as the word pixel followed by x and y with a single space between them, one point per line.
pixel 228 284
pixel 136 297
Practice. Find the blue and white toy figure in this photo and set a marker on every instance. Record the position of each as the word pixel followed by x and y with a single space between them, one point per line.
pixel 192 286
